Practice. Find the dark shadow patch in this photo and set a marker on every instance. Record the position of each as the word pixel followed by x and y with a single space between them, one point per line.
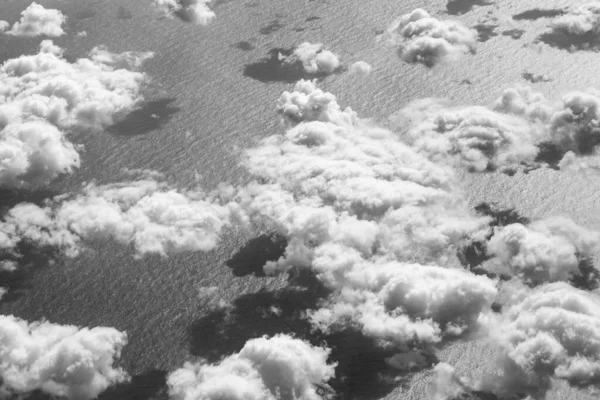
pixel 151 116
pixel 514 33
pixel 244 45
pixel 534 78
pixel 32 258
pixel 145 386
pixel 567 41
pixel 299 29
pixel 550 153
pixel 272 69
pixel 458 7
pixel 485 32
pixel 537 13
pixel 362 371
pixel 250 259
pixel 217 3
pixel 270 27
pixel 587 277
pixel 123 13
pixel 474 254
pixel 11 197
pixel 85 14
pixel 312 18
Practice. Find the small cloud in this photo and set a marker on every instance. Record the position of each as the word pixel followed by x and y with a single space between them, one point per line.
pixel 36 21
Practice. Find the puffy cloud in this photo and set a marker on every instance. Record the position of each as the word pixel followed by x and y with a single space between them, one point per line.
pixel 363 210
pixel 148 214
pixel 550 332
pixel 36 21
pixel 547 250
pixel 195 11
pixel 360 68
pixel 509 132
pixel 44 96
pixel 280 367
pixel 60 360
pixel 424 39
pixel 313 58
pixel 581 20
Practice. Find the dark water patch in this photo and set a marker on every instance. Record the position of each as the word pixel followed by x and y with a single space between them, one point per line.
pixel 148 385
pixel 270 27
pixel 537 13
pixel 85 14
pixel 27 260
pixel 514 33
pixel 11 197
pixel 243 45
pixel 485 32
pixel 250 259
pixel 123 13
pixel 567 41
pixel 151 116
pixel 458 7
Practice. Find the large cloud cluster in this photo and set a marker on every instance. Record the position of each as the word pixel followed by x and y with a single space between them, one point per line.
pixel 421 38
pixel 43 96
pixel 60 360
pixel 195 11
pixel 313 58
pixel 36 21
pixel 148 214
pixel 364 211
pixel 280 367
pixel 581 20
pixel 547 250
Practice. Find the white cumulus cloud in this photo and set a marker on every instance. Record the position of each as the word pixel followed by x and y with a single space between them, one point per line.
pixel 147 214
pixel 44 97
pixel 195 11
pixel 423 39
pixel 580 20
pixel 36 21
pixel 60 360
pixel 280 367
pixel 313 58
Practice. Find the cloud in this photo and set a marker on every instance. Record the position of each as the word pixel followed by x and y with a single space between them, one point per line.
pixel 360 68
pixel 550 332
pixel 60 360
pixel 421 38
pixel 150 215
pixel 195 11
pixel 280 367
pixel 547 250
pixel 580 20
pixel 36 21
pixel 44 97
pixel 313 58
pixel 361 208
pixel 512 131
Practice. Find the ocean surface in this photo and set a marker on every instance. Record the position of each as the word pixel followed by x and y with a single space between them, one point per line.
pixel 208 107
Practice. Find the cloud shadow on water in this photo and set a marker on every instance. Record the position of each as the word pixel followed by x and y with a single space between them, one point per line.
pixel 31 260
pixel 537 13
pixel 250 259
pixel 362 371
pixel 474 254
pixel 148 385
pixel 458 7
pixel 272 69
pixel 564 40
pixel 149 117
